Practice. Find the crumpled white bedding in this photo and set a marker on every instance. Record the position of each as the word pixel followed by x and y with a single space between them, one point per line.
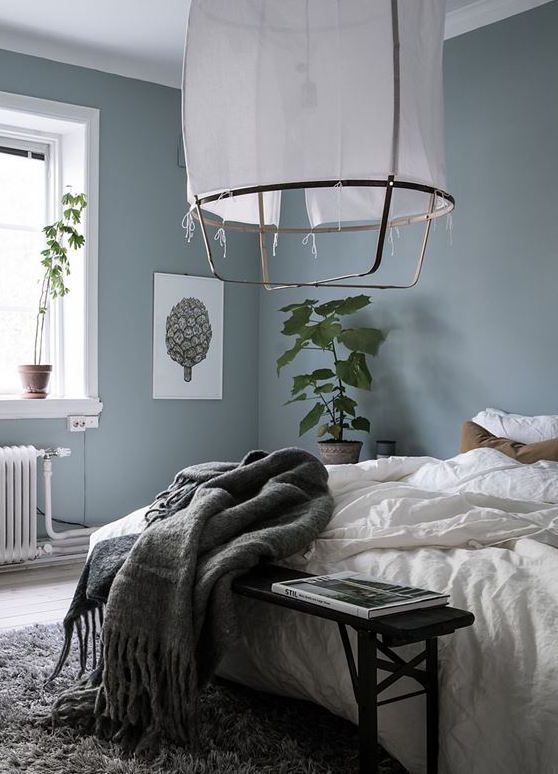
pixel 481 527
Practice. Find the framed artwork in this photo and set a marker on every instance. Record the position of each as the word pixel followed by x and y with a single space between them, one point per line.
pixel 187 337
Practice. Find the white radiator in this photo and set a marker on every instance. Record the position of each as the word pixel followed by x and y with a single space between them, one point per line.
pixel 18 508
pixel 18 503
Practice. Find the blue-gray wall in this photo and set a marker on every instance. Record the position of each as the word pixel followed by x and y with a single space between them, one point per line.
pixel 481 328
pixel 141 442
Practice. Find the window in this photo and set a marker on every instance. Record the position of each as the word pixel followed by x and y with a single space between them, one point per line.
pixel 45 148
pixel 24 204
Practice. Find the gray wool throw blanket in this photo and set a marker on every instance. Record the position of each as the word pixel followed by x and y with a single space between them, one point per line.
pixel 164 599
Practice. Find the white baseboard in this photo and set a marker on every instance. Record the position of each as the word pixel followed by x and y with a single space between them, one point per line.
pixel 46 561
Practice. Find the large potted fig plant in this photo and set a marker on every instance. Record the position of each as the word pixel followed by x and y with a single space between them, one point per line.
pixel 318 326
pixel 60 236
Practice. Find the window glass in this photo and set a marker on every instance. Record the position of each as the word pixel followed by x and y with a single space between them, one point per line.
pixel 22 217
pixel 22 189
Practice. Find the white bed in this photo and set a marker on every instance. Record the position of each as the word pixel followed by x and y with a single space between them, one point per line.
pixel 480 526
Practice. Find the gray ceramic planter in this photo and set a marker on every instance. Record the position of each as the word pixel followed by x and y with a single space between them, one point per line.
pixel 34 380
pixel 339 452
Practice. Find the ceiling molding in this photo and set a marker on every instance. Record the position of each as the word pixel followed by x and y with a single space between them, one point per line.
pixel 482 12
pixel 468 17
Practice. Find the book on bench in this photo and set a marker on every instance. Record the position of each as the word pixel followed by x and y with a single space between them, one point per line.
pixel 360 595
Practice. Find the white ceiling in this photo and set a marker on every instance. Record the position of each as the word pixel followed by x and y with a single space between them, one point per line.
pixel 139 38
pixel 145 38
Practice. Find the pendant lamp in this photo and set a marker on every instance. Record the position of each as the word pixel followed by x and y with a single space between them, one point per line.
pixel 340 98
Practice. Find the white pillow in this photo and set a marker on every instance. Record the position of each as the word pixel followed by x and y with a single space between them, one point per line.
pixel 517 427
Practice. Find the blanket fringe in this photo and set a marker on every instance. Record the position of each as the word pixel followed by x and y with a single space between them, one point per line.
pixel 144 694
pixel 147 688
pixel 88 628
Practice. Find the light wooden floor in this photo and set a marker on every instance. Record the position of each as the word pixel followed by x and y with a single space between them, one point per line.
pixel 36 595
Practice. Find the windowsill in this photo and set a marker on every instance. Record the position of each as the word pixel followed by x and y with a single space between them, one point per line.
pixel 15 407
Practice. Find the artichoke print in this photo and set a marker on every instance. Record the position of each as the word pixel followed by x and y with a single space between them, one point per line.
pixel 188 334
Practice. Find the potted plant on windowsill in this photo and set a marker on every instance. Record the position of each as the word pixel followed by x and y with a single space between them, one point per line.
pixel 61 236
pixel 319 327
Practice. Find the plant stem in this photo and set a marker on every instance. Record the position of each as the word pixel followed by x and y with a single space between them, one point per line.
pixel 335 360
pixel 44 302
pixel 38 326
pixel 340 388
pixel 327 406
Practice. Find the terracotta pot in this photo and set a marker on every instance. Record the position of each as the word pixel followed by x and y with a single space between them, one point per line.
pixel 34 380
pixel 339 452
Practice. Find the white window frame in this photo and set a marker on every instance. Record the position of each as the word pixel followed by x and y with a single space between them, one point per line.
pixel 55 123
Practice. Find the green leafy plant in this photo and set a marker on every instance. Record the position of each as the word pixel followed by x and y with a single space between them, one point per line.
pixel 318 326
pixel 61 236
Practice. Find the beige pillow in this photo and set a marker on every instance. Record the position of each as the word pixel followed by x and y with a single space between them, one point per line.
pixel 474 436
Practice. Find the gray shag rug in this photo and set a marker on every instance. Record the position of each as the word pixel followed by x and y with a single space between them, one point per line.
pixel 243 731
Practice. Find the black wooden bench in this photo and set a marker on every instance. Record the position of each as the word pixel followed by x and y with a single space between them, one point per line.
pixel 376 639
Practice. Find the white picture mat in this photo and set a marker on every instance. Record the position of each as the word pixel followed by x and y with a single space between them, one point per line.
pixel 168 376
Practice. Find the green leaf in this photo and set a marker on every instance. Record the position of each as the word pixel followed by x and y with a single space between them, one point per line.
pixel 324 389
pixel 322 373
pixel 297 321
pixel 345 372
pixel 306 333
pixel 354 371
pixel 353 304
pixel 324 333
pixel 76 240
pixel 335 431
pixel 343 306
pixel 362 339
pixel 300 382
pixel 302 396
pixel 288 356
pixel 311 419
pixel 364 377
pixel 290 307
pixel 322 430
pixel 361 423
pixel 345 404
pixel 324 310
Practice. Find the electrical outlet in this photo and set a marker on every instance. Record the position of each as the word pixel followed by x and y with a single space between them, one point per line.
pixel 80 424
pixel 75 424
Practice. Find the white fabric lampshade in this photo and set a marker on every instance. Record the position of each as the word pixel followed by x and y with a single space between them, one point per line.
pixel 290 91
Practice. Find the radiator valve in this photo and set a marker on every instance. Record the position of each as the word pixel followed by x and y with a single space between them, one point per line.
pixel 51 453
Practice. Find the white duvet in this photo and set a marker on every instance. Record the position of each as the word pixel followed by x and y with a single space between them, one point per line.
pixel 482 528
